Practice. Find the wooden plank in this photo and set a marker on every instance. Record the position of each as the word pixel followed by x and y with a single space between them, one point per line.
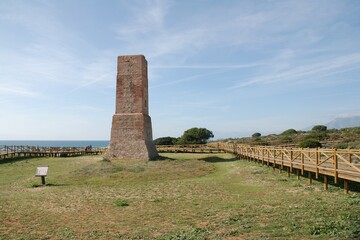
pixel 335 167
pixel 302 162
pixel 346 186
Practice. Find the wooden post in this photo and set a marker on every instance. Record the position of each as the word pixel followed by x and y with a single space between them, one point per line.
pixel 274 162
pixel 349 155
pixel 298 174
pixel 43 180
pixel 282 160
pixel 288 171
pixel 335 167
pixel 302 162
pixel 317 163
pixel 346 186
pixel 310 178
pixel 263 156
pixel 291 159
pixel 325 182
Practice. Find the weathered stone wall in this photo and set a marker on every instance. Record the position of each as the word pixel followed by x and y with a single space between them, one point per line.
pixel 131 132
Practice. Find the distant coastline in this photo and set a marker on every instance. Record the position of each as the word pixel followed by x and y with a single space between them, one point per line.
pixel 56 143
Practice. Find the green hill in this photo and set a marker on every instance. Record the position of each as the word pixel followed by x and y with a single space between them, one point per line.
pixel 329 138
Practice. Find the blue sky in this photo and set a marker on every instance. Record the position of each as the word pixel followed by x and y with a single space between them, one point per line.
pixel 234 67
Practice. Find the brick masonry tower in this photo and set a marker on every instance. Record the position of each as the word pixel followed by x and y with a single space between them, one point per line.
pixel 131 132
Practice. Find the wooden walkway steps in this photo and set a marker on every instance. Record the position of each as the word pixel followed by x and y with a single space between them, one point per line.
pixel 36 151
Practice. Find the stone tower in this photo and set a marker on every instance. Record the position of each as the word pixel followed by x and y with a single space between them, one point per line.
pixel 131 132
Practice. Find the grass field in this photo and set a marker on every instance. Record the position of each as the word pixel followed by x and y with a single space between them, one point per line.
pixel 181 196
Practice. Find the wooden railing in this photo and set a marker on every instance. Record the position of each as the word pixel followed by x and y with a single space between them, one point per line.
pixel 337 163
pixel 195 148
pixel 36 151
pixel 341 164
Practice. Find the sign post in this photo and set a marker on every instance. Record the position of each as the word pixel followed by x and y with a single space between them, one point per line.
pixel 41 172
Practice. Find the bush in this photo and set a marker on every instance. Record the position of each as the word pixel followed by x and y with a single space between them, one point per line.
pixel 319 128
pixel 256 135
pixel 317 135
pixel 290 131
pixel 341 145
pixel 286 139
pixel 309 143
pixel 165 141
pixel 122 203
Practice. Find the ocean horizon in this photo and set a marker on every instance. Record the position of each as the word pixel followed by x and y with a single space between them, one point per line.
pixel 56 143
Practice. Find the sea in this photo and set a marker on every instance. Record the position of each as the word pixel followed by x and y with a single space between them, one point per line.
pixel 54 143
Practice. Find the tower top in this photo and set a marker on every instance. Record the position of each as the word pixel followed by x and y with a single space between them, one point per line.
pixel 132 82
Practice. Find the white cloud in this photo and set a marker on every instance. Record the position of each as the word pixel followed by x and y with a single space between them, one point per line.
pixel 186 79
pixel 310 70
pixel 230 66
pixel 6 89
pixel 146 17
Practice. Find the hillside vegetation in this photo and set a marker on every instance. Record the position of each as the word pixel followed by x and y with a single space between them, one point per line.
pixel 329 138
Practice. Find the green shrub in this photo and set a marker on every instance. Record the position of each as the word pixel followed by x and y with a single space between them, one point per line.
pixel 309 143
pixel 290 131
pixel 317 135
pixel 341 145
pixel 319 128
pixel 286 139
pixel 122 202
pixel 256 135
pixel 165 141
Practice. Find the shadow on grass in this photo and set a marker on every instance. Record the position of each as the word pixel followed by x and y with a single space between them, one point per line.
pixel 26 158
pixel 161 158
pixel 218 159
pixel 16 159
pixel 49 185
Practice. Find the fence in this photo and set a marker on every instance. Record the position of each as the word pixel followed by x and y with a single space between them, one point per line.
pixel 36 151
pixel 341 164
pixel 195 148
pixel 338 163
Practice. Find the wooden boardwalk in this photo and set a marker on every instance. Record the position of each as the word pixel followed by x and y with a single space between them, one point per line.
pixel 340 164
pixel 337 163
pixel 36 151
pixel 195 148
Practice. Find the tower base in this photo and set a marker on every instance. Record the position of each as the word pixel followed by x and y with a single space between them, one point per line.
pixel 131 137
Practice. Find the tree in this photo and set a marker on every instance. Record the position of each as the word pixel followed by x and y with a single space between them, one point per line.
pixel 256 135
pixel 319 128
pixel 196 136
pixel 290 131
pixel 165 141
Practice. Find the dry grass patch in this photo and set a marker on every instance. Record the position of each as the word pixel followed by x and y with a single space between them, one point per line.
pixel 181 196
